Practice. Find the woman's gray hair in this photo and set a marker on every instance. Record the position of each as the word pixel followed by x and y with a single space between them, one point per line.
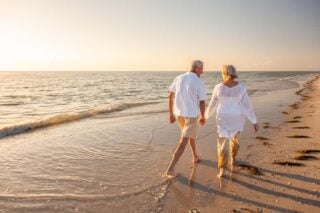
pixel 229 70
pixel 195 64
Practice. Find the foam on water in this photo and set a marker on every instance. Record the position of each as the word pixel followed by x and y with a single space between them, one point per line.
pixel 64 118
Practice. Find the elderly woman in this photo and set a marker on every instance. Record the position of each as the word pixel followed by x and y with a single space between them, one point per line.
pixel 231 101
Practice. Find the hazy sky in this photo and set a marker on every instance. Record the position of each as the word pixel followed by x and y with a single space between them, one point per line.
pixel 159 34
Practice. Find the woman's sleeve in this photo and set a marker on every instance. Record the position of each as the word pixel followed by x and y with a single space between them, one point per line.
pixel 247 107
pixel 212 104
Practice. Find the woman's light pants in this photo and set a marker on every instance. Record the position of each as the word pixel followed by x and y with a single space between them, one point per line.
pixel 224 147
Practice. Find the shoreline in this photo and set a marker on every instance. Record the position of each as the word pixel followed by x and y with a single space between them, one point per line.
pixel 108 164
pixel 271 175
pixel 42 117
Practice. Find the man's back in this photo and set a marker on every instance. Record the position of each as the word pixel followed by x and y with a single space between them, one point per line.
pixel 189 90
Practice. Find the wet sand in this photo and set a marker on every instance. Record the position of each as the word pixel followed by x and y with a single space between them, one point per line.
pixel 115 163
pixel 277 169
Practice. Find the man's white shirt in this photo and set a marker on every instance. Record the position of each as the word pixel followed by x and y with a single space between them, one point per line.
pixel 189 90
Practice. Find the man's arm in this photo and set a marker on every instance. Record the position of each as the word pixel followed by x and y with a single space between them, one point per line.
pixel 172 119
pixel 202 119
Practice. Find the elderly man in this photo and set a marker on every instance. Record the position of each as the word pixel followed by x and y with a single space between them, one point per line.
pixel 187 95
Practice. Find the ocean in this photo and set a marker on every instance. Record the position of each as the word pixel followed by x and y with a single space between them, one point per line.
pixel 31 100
pixel 84 140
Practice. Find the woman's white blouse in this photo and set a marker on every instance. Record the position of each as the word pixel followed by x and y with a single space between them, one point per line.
pixel 232 106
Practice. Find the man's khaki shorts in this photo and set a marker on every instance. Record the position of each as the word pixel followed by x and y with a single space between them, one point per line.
pixel 188 126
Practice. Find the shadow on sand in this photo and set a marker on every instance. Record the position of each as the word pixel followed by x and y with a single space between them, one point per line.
pixel 196 185
pixel 184 180
pixel 287 175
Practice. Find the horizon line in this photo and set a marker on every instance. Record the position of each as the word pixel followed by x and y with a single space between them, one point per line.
pixel 153 70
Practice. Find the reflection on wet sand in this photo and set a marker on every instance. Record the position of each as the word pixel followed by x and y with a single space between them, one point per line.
pixel 187 201
pixel 205 196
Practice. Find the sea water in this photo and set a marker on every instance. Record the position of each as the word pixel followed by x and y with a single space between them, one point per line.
pixel 100 141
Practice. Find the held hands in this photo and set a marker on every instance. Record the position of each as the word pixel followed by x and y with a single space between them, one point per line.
pixel 172 118
pixel 202 120
pixel 256 127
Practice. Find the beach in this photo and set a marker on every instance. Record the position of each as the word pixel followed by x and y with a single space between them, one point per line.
pixel 92 94
pixel 277 171
pixel 112 158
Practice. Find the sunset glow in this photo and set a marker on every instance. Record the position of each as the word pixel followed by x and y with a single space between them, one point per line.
pixel 158 35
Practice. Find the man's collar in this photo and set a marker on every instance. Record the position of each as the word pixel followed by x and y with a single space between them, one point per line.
pixel 190 72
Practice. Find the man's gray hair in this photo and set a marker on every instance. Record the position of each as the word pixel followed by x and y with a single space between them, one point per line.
pixel 195 64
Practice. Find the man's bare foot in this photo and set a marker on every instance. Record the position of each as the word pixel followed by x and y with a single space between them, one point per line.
pixel 170 174
pixel 196 159
pixel 221 173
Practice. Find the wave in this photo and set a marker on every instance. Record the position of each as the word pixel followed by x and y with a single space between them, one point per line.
pixel 12 104
pixel 269 86
pixel 65 118
pixel 163 185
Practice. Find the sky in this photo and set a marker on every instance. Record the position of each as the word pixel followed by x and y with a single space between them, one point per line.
pixel 159 35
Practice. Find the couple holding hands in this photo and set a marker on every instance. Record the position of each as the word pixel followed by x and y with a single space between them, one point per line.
pixel 229 100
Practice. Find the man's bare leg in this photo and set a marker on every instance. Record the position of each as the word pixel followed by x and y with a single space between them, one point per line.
pixel 192 143
pixel 176 156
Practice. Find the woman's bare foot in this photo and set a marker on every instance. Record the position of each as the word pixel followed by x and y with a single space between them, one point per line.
pixel 221 173
pixel 196 159
pixel 233 161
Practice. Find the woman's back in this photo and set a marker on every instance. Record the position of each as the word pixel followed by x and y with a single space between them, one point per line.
pixel 231 101
pixel 229 98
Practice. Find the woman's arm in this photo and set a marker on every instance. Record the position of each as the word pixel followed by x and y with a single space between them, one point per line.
pixel 247 107
pixel 212 104
pixel 248 111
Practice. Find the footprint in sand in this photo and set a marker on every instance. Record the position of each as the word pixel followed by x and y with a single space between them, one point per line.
pixel 267 144
pixel 251 169
pixel 293 121
pixel 297 117
pixel 265 141
pixel 298 136
pixel 309 151
pixel 301 127
pixel 258 210
pixel 306 157
pixel 294 106
pixel 266 125
pixel 287 163
pixel 262 138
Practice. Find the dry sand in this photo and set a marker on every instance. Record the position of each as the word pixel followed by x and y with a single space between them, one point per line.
pixel 278 171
